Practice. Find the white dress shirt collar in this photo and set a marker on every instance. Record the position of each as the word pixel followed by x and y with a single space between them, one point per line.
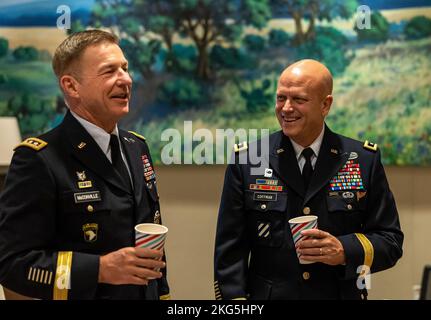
pixel 315 145
pixel 99 135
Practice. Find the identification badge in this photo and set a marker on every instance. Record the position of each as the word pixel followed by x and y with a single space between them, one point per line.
pixel 87 196
pixel 265 196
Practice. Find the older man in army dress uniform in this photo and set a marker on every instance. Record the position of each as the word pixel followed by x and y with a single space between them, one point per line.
pixel 73 195
pixel 311 170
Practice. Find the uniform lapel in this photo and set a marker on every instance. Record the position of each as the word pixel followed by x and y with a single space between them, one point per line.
pixel 87 151
pixel 331 159
pixel 133 154
pixel 283 160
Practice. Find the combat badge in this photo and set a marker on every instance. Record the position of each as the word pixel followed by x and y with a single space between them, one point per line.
pixel 353 155
pixel 90 231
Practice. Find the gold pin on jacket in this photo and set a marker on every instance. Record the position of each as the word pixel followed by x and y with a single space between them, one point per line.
pixel 240 146
pixel 370 146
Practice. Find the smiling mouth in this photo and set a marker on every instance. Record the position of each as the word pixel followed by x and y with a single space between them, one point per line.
pixel 290 119
pixel 120 96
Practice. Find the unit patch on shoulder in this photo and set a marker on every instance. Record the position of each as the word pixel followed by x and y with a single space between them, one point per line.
pixel 370 146
pixel 240 146
pixel 138 135
pixel 33 143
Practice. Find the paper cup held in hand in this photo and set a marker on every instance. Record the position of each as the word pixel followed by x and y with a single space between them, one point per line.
pixel 150 235
pixel 299 224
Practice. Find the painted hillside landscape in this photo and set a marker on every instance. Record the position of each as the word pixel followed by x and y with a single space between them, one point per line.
pixel 216 63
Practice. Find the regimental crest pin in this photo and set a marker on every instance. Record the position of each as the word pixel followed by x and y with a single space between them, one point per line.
pixel 90 231
pixel 81 175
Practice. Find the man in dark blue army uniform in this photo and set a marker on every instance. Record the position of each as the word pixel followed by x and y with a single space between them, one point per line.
pixel 73 195
pixel 311 171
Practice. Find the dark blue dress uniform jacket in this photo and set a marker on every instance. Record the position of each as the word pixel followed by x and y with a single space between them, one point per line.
pixel 256 265
pixel 63 206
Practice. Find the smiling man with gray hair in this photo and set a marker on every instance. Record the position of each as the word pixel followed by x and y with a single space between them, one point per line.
pixel 74 194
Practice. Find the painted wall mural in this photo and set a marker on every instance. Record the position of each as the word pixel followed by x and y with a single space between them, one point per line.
pixel 216 63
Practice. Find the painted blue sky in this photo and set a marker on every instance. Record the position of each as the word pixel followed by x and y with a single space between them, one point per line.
pixel 43 12
pixel 40 12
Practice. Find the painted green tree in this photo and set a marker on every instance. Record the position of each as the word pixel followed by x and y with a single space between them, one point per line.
pixel 203 22
pixel 312 11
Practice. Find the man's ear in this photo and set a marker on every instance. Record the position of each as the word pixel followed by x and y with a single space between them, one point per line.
pixel 69 86
pixel 326 105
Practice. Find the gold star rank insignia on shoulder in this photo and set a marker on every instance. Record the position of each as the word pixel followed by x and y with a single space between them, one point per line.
pixel 240 146
pixel 33 143
pixel 370 146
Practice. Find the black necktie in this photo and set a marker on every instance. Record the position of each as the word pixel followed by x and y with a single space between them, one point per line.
pixel 307 171
pixel 117 160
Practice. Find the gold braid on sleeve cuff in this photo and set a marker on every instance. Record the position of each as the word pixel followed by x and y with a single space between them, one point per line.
pixel 217 291
pixel 62 275
pixel 368 249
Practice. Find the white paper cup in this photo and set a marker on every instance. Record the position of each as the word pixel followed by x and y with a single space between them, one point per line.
pixel 150 235
pixel 299 224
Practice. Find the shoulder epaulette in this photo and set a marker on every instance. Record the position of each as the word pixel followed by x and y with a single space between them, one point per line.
pixel 240 146
pixel 33 143
pixel 370 146
pixel 138 135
